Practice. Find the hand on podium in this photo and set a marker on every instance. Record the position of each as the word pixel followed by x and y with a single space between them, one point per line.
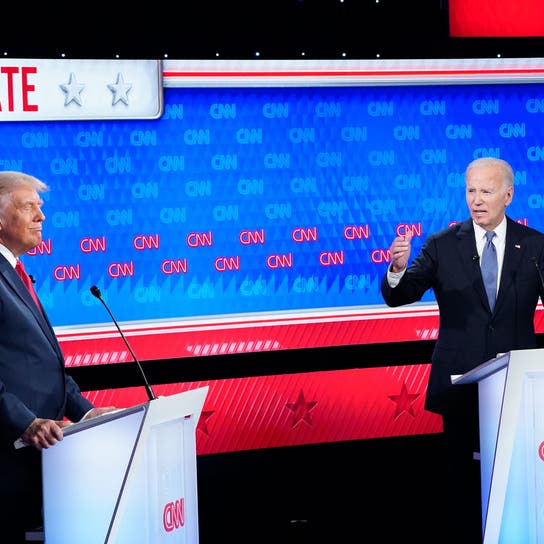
pixel 43 433
pixel 96 412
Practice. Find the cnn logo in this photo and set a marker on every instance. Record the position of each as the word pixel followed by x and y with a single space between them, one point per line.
pixel 173 515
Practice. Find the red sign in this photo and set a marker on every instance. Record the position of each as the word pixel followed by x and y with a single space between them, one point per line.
pixel 496 18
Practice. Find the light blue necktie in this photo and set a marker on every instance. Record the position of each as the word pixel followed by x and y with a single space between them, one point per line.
pixel 489 268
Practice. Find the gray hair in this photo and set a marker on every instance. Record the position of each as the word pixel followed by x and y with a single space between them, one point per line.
pixel 10 180
pixel 507 173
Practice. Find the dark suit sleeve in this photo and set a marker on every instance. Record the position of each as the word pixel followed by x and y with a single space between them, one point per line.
pixel 33 381
pixel 76 404
pixel 418 278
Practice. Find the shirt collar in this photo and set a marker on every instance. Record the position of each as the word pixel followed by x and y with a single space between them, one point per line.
pixel 500 230
pixel 8 255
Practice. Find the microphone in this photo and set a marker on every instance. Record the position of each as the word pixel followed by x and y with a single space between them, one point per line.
pixel 539 272
pixel 96 292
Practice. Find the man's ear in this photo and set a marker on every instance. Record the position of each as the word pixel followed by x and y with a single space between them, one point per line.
pixel 509 196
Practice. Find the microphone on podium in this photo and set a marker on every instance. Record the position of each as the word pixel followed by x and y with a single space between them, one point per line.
pixel 96 292
pixel 539 272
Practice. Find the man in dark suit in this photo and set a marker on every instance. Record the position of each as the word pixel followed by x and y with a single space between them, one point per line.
pixel 37 397
pixel 471 329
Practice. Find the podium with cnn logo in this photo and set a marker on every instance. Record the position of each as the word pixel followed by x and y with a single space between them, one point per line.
pixel 511 407
pixel 127 476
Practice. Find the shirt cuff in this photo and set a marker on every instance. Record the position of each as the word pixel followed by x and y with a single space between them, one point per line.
pixel 393 278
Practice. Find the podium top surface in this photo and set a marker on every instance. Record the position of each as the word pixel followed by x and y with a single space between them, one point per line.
pixel 482 371
pixel 98 420
pixel 183 404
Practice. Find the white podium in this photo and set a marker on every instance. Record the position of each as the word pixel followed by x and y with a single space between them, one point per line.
pixel 126 477
pixel 511 407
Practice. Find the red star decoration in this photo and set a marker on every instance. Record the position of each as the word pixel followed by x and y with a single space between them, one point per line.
pixel 202 424
pixel 404 401
pixel 301 410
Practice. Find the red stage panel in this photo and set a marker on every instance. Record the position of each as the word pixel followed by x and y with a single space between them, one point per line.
pixel 307 408
pixel 171 340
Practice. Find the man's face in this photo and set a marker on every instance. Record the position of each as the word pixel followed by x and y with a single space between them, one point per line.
pixel 486 196
pixel 21 220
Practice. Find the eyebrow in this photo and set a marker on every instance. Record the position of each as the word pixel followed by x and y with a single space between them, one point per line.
pixel 38 202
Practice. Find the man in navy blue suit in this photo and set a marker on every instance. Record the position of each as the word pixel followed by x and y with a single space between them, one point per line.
pixel 37 397
pixel 471 330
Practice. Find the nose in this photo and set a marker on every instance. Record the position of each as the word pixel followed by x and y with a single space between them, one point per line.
pixel 477 198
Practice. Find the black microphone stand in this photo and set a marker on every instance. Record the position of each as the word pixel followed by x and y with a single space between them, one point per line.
pixel 96 292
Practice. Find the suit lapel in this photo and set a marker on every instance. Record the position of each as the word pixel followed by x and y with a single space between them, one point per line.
pixel 514 250
pixel 13 280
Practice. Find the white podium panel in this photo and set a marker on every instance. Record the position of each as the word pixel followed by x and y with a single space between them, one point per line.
pixel 126 477
pixel 511 406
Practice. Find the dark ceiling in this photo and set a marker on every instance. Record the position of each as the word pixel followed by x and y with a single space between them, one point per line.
pixel 236 29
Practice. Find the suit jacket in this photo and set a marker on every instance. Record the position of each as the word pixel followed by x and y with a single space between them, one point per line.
pixel 469 333
pixel 33 382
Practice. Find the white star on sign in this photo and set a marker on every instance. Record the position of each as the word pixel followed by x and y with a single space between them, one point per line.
pixel 72 90
pixel 120 90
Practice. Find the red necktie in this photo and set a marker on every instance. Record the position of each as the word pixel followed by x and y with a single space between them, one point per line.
pixel 20 269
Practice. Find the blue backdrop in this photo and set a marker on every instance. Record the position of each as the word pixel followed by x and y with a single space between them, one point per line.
pixel 262 199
